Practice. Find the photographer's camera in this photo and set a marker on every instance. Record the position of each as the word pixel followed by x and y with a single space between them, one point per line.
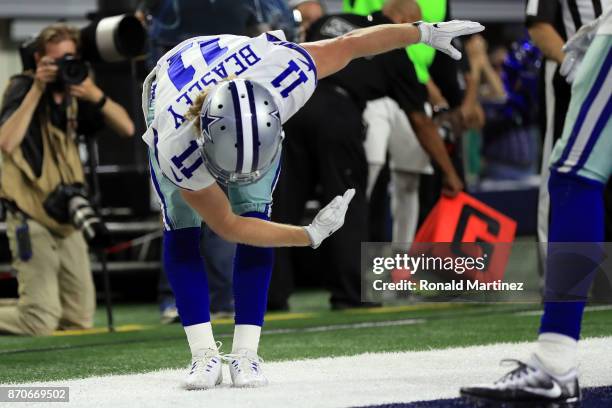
pixel 71 70
pixel 68 203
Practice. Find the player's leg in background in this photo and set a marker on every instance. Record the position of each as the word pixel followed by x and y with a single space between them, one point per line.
pixel 581 166
pixel 342 165
pixel 408 161
pixel 295 186
pixel 377 117
pixel 405 205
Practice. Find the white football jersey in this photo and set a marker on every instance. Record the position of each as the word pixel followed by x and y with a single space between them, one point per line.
pixel 284 68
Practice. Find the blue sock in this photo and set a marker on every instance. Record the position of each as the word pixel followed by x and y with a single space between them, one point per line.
pixel 576 215
pixel 252 272
pixel 184 267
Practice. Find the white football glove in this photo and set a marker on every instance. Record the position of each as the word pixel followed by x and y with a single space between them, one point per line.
pixel 575 48
pixel 440 35
pixel 329 219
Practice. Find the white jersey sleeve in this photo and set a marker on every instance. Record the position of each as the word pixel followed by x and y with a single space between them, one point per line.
pixel 196 65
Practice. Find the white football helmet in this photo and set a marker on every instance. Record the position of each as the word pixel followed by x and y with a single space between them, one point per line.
pixel 241 131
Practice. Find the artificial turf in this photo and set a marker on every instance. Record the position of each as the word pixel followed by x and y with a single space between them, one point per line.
pixel 155 346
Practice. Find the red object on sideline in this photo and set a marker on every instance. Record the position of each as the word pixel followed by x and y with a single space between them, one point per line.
pixel 463 219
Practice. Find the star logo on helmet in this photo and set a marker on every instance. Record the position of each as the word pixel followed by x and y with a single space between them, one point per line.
pixel 207 120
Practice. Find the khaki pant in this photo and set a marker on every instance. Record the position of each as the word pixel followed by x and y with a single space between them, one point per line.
pixel 56 289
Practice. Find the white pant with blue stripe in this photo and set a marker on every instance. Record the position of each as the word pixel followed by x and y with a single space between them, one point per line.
pixel 585 149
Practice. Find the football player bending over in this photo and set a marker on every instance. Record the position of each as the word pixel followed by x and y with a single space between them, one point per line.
pixel 580 167
pixel 215 107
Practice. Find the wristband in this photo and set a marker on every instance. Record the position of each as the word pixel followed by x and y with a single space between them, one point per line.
pixel 307 228
pixel 424 32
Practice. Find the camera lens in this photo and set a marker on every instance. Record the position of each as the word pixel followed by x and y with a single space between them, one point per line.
pixel 72 70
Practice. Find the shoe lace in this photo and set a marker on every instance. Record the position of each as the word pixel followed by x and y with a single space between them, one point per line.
pixel 238 359
pixel 206 357
pixel 519 372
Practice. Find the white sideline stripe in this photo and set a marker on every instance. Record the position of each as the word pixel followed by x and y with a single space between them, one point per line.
pixel 364 325
pixel 360 380
pixel 586 309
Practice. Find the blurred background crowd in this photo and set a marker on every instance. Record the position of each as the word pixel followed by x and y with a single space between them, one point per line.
pixel 369 127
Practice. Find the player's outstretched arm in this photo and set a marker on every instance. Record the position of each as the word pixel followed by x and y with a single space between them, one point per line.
pixel 334 54
pixel 214 208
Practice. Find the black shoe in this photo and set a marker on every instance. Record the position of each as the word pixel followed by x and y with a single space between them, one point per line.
pixel 528 385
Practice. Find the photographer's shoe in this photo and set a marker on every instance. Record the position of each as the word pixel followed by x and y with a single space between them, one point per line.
pixel 528 385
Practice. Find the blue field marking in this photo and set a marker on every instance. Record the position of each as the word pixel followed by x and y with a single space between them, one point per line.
pixel 593 397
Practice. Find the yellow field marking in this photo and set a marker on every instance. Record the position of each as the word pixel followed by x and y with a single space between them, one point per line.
pixel 290 316
pixel 136 327
pixel 274 317
pixel 98 330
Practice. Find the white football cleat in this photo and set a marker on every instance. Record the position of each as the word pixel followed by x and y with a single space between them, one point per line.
pixel 245 369
pixel 205 371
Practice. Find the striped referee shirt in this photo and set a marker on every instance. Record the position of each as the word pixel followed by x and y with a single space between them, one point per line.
pixel 566 16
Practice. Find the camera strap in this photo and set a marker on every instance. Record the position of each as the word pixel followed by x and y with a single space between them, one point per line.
pixel 55 136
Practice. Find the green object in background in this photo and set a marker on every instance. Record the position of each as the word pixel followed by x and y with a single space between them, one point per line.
pixel 421 55
pixel 472 147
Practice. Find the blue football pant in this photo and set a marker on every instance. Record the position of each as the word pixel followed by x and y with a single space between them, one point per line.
pixel 581 164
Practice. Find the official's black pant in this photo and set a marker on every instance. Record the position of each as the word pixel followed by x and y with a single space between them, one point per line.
pixel 323 147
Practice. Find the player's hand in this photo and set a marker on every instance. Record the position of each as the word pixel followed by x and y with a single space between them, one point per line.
pixel 46 72
pixel 329 219
pixel 451 185
pixel 86 90
pixel 440 35
pixel 575 48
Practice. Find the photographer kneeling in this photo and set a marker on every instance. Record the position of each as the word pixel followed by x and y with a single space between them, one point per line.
pixel 42 184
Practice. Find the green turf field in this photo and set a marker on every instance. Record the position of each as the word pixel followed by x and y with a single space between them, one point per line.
pixel 309 331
